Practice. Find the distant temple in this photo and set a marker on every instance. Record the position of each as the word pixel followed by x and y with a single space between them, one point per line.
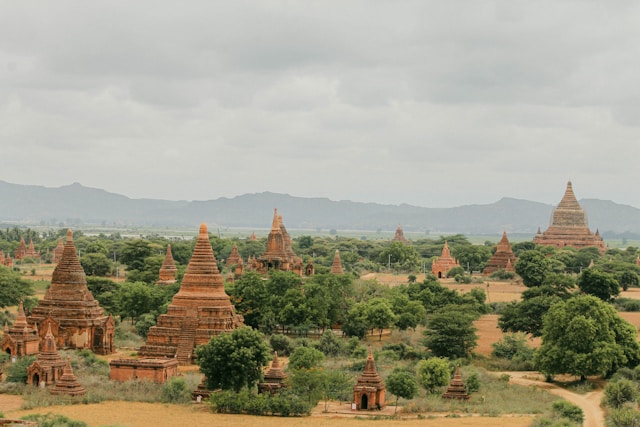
pixel 369 391
pixel 31 251
pixel 444 263
pixel 168 270
pixel 503 259
pixel 235 260
pixel 569 226
pixel 336 267
pixel 77 320
pixel 57 252
pixel 21 250
pixel 399 236
pixel 279 254
pixel 201 309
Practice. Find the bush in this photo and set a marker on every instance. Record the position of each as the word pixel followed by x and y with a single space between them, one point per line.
pixel 617 393
pixel 502 275
pixel 17 372
pixel 513 346
pixel 330 344
pixel 175 391
pixel 305 357
pixel 54 420
pixel 244 402
pixel 473 383
pixel 282 344
pixel 455 271
pixel 463 278
pixel 568 410
pixel 627 304
pixel 623 417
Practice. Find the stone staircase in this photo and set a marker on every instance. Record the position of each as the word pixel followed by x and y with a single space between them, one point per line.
pixel 186 340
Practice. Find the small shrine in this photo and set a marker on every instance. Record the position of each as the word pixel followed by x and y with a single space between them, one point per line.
pixel 399 236
pixel 68 383
pixel 77 320
pixel 201 309
pixel 336 267
pixel 309 269
pixel 20 339
pixel 569 226
pixel 31 251
pixel 274 379
pixel 156 370
pixel 456 389
pixel 21 250
pixel 444 263
pixel 369 391
pixel 49 366
pixel 168 270
pixel 502 259
pixel 234 260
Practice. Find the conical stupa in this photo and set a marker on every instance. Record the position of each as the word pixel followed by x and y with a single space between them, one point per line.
pixel 49 365
pixel 168 270
pixel 336 267
pixel 201 309
pixel 68 383
pixel 456 389
pixel 369 391
pixel 444 263
pixel 20 339
pixel 502 259
pixel 399 236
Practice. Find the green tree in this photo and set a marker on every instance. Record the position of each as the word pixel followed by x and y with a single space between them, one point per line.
pixel 356 323
pixel 450 332
pixel 95 264
pixel 533 266
pixel 403 384
pixel 527 315
pixel 306 358
pixel 600 284
pixel 134 252
pixel 13 287
pixel 585 336
pixel 135 299
pixel 628 279
pixel 338 385
pixel 617 393
pixel 379 315
pixel 433 373
pixel 233 360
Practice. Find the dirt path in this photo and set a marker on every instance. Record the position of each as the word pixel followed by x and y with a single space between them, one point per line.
pixel 590 402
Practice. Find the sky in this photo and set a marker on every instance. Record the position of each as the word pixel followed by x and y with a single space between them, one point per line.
pixel 428 103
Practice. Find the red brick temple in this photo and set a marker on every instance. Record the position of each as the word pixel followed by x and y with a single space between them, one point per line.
pixel 201 309
pixel 279 254
pixel 31 251
pixel 49 366
pixel 234 260
pixel 369 391
pixel 456 389
pixel 444 263
pixel 20 339
pixel 336 267
pixel 156 370
pixel 21 250
pixel 569 226
pixel 68 383
pixel 57 252
pixel 168 270
pixel 77 320
pixel 502 259
pixel 274 379
pixel 399 236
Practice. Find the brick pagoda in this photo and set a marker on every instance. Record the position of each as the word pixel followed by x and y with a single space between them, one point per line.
pixel 77 320
pixel 274 379
pixel 21 250
pixel 31 251
pixel 68 383
pixel 57 252
pixel 336 267
pixel 369 391
pixel 503 259
pixel 168 270
pixel 399 236
pixel 201 309
pixel 444 263
pixel 569 226
pixel 456 389
pixel 279 254
pixel 235 260
pixel 49 366
pixel 20 339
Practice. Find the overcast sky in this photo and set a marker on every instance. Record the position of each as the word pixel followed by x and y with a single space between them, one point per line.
pixel 430 103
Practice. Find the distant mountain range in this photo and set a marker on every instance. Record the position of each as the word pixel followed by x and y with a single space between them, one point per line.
pixel 76 204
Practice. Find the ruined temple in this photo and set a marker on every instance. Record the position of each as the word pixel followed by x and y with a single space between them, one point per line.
pixel 77 320
pixel 456 389
pixel 235 260
pixel 279 254
pixel 168 270
pixel 31 251
pixel 336 267
pixel 21 339
pixel 274 379
pixel 49 366
pixel 201 309
pixel 399 236
pixel 68 383
pixel 444 263
pixel 21 250
pixel 569 226
pixel 369 391
pixel 502 259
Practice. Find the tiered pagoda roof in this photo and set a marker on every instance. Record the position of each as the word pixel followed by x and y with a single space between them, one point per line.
pixel 279 254
pixel 201 309
pixel 78 321
pixel 456 389
pixel 57 252
pixel 502 259
pixel 168 271
pixel 399 236
pixel 48 367
pixel 336 267
pixel 21 339
pixel 444 263
pixel 569 226
pixel 234 257
pixel 369 391
pixel 274 378
pixel 68 383
pixel 21 250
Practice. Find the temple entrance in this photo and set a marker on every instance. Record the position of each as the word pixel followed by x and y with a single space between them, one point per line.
pixel 8 351
pixel 364 402
pixel 35 380
pixel 439 275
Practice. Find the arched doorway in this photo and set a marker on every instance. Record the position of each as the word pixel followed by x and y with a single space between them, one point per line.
pixel 35 380
pixel 439 274
pixel 364 402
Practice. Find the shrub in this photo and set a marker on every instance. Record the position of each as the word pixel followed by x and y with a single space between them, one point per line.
pixel 617 393
pixel 463 278
pixel 568 410
pixel 54 420
pixel 282 344
pixel 502 275
pixel 623 417
pixel 175 391
pixel 17 372
pixel 330 344
pixel 473 383
pixel 305 357
pixel 513 346
pixel 433 373
pixel 455 271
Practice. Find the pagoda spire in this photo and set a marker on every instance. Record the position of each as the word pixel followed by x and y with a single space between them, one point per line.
pixel 336 267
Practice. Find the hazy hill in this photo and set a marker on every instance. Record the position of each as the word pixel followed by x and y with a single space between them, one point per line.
pixel 76 204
